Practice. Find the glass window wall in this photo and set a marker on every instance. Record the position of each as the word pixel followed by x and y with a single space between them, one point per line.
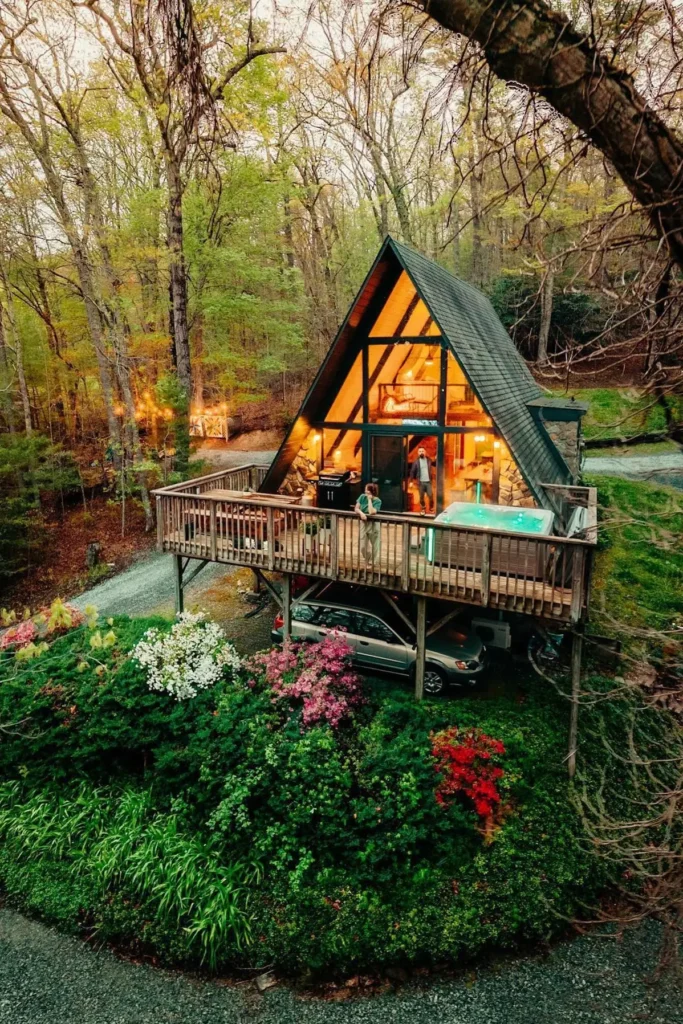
pixel 403 383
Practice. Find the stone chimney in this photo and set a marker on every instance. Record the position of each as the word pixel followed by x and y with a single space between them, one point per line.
pixel 561 418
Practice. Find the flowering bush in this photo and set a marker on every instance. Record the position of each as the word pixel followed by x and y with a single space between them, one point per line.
pixel 50 621
pixel 317 675
pixel 464 762
pixel 19 636
pixel 191 657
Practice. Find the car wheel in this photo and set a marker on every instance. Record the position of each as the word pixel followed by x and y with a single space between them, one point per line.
pixel 434 680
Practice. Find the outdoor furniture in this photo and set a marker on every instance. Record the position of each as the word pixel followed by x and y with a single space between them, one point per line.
pixel 236 524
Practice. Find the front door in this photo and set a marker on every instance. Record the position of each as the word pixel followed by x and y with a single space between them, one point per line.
pixel 387 469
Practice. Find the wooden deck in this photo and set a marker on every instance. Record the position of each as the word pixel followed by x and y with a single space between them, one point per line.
pixel 546 577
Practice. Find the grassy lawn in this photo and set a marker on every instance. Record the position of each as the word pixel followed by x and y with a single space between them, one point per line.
pixel 626 452
pixel 623 412
pixel 638 577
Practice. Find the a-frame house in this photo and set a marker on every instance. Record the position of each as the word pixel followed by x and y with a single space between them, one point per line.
pixel 422 360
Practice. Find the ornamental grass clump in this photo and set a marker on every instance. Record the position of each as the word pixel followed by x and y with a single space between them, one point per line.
pixel 192 656
pixel 315 676
pixel 466 763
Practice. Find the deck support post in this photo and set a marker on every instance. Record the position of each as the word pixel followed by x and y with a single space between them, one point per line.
pixel 577 650
pixel 421 647
pixel 286 606
pixel 178 579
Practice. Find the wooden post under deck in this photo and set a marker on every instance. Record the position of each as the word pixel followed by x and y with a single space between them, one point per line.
pixel 420 651
pixel 286 606
pixel 178 578
pixel 577 649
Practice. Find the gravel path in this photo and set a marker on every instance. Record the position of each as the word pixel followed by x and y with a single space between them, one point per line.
pixel 660 467
pixel 47 978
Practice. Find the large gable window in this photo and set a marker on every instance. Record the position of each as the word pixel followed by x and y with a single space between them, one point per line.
pixel 403 382
pixel 404 314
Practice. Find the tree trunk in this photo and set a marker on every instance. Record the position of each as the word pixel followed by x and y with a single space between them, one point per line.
pixel 15 344
pixel 178 291
pixel 546 316
pixel 526 42
pixel 181 331
pixel 118 323
pixel 5 397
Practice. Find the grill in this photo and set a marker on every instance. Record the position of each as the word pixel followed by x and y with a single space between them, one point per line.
pixel 333 490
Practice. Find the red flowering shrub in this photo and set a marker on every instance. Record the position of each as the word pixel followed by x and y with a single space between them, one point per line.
pixel 317 675
pixel 464 761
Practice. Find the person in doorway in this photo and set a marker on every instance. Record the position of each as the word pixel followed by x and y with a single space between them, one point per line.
pixel 421 472
pixel 367 506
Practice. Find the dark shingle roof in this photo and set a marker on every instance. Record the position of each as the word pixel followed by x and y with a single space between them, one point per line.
pixel 495 369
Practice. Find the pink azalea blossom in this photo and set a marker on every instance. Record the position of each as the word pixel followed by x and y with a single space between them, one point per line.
pixel 19 636
pixel 315 675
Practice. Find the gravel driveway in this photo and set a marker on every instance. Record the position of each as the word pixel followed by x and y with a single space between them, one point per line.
pixel 47 978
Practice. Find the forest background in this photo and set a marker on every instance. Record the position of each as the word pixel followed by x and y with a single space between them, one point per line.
pixel 191 194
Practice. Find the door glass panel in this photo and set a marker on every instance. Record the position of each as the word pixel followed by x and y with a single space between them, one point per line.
pixel 386 460
pixel 430 444
pixel 347 407
pixel 463 408
pixel 468 466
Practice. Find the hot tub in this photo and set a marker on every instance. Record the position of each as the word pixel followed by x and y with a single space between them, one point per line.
pixel 505 518
pixel 521 557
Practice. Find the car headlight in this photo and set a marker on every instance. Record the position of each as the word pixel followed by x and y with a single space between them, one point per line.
pixel 462 665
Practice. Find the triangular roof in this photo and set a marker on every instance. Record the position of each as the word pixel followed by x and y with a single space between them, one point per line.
pixel 471 328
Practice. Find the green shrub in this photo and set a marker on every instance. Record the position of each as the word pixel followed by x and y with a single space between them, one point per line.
pixel 359 864
pixel 108 855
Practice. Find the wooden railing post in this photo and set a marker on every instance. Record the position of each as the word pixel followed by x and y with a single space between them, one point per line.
pixel 270 529
pixel 160 523
pixel 213 538
pixel 405 555
pixel 334 546
pixel 578 582
pixel 486 568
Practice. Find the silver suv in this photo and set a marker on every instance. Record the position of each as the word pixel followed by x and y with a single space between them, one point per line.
pixel 381 642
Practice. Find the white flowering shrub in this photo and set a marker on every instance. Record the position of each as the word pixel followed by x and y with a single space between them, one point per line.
pixel 191 657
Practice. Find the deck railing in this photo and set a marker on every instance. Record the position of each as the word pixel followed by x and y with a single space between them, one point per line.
pixel 242 478
pixel 544 576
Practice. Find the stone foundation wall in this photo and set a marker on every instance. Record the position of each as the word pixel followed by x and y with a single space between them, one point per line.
pixel 304 465
pixel 512 488
pixel 566 435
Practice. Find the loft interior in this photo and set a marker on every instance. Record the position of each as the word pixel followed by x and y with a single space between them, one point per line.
pixel 422 361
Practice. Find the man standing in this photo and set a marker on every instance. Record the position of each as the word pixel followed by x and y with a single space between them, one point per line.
pixel 421 470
